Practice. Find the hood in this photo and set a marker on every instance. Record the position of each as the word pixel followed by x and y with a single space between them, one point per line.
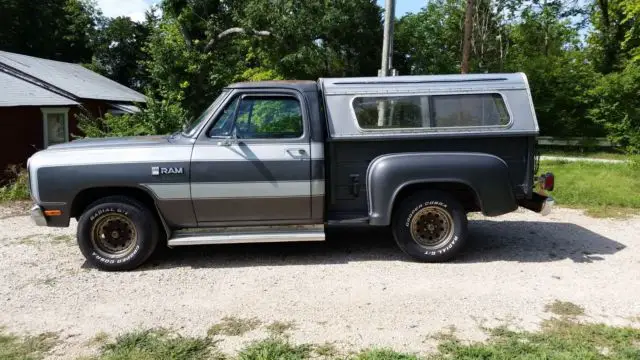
pixel 113 142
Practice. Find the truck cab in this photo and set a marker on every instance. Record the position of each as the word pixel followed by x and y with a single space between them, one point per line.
pixel 283 160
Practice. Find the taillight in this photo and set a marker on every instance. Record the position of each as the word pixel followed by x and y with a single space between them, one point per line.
pixel 548 181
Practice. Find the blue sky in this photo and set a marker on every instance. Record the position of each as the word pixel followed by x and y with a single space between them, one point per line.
pixel 405 6
pixel 136 8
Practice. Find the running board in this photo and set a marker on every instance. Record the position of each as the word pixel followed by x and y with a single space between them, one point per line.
pixel 247 235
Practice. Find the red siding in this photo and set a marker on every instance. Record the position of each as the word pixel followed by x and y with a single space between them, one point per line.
pixel 22 131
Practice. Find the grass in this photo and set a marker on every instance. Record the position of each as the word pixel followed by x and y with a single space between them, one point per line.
pixel 604 190
pixel 233 326
pixel 559 338
pixel 13 347
pixel 564 308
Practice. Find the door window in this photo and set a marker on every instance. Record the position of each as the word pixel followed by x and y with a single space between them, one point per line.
pixel 265 117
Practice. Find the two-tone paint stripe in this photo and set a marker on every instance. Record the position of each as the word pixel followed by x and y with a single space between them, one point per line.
pixel 221 190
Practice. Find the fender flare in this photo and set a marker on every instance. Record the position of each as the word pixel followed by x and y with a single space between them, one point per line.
pixel 487 175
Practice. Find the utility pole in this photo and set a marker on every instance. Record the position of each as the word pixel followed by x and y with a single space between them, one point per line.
pixel 387 40
pixel 466 42
pixel 387 51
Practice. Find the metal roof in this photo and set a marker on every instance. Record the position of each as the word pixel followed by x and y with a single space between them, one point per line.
pixel 71 78
pixel 17 92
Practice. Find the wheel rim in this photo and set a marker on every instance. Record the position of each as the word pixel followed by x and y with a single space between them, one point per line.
pixel 113 235
pixel 431 226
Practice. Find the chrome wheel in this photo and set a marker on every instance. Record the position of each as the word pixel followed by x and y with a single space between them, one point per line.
pixel 431 226
pixel 113 235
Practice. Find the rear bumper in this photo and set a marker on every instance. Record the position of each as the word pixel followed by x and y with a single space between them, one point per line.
pixel 541 204
pixel 38 216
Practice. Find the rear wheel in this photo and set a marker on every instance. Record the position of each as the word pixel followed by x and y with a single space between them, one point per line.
pixel 430 226
pixel 117 233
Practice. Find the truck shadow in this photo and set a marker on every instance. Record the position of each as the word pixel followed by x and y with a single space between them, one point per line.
pixel 518 241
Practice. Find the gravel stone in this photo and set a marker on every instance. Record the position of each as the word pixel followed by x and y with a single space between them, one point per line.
pixel 357 289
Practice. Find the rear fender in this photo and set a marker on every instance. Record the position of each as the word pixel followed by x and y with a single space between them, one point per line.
pixel 487 175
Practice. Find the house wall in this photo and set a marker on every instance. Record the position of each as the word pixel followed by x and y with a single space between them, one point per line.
pixel 23 134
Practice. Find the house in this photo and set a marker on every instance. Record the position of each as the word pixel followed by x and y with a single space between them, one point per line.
pixel 39 101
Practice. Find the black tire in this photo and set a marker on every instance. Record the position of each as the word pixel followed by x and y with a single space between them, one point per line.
pixel 134 224
pixel 420 228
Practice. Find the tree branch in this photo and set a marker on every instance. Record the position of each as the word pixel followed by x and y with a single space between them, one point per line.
pixel 235 30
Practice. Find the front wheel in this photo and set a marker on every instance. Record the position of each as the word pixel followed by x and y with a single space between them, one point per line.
pixel 430 226
pixel 117 234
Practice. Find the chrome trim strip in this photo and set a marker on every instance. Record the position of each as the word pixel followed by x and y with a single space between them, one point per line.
pixel 221 237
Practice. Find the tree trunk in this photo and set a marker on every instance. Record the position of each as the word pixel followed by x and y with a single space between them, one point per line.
pixel 466 43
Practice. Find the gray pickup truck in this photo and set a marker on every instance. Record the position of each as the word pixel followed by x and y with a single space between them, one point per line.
pixel 281 161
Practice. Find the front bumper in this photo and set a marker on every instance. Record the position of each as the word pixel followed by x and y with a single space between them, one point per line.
pixel 38 216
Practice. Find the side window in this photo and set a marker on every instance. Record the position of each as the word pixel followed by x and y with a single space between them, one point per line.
pixel 269 118
pixel 261 118
pixel 437 111
pixel 469 110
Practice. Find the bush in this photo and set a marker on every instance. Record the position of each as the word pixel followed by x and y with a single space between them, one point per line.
pixel 159 117
pixel 616 104
pixel 18 187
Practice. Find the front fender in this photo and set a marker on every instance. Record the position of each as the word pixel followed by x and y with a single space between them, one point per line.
pixel 487 175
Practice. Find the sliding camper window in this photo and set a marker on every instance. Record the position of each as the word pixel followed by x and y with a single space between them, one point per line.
pixel 430 111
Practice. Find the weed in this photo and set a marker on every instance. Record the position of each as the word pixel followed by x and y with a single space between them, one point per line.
pixel 18 188
pixel 100 338
pixel 445 335
pixel 277 328
pixel 327 350
pixel 564 308
pixel 157 344
pixel 275 349
pixel 382 354
pixel 233 326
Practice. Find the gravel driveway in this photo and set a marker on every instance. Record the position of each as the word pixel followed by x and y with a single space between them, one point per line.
pixel 356 290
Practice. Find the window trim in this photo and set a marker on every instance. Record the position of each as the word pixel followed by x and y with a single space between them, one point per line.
pixel 45 125
pixel 251 94
pixel 430 129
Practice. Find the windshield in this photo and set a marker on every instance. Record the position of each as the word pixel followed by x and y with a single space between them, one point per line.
pixel 193 128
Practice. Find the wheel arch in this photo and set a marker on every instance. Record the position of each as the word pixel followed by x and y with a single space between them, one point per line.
pixel 88 196
pixel 480 180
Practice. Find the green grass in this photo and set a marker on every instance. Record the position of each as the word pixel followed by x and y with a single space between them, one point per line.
pixel 18 188
pixel 604 190
pixel 561 338
pixel 13 347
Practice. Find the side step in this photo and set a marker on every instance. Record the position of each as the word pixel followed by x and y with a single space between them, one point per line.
pixel 246 235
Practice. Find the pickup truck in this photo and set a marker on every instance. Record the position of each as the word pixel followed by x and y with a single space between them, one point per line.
pixel 279 161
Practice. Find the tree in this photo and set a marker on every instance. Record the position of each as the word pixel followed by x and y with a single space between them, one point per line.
pixel 53 29
pixel 430 41
pixel 119 52
pixel 606 42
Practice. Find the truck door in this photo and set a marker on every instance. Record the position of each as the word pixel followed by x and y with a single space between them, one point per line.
pixel 252 165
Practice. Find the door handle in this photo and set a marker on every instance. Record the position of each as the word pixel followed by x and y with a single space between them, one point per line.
pixel 297 153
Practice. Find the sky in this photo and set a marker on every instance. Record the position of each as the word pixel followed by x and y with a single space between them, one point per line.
pixel 135 9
